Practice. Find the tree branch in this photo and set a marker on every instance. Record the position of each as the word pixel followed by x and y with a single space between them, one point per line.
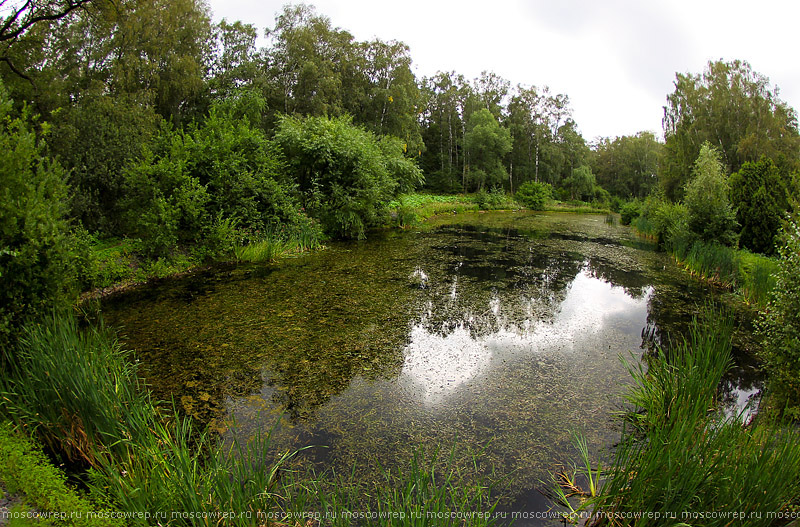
pixel 33 12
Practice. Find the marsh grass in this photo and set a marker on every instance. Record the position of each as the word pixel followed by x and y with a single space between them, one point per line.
pixel 274 245
pixel 752 275
pixel 78 392
pixel 679 452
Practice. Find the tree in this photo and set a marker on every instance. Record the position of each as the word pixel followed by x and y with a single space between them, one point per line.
pixel 759 195
pixel 487 142
pixel 36 258
pixel 20 18
pixel 581 183
pixel 112 133
pixel 710 214
pixel 443 128
pixel 734 108
pixel 627 166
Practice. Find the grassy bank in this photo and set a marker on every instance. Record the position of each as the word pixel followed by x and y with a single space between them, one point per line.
pixel 411 209
pixel 750 275
pixel 681 458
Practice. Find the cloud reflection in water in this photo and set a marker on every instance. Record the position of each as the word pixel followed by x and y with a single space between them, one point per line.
pixel 438 363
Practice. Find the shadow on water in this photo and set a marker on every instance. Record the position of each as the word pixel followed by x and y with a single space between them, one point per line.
pixel 493 330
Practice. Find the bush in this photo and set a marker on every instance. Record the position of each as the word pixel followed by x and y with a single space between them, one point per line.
pixel 492 200
pixel 345 175
pixel 193 187
pixel 780 325
pixel 629 211
pixel 534 195
pixel 36 249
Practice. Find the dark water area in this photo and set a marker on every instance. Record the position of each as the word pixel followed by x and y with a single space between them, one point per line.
pixel 495 331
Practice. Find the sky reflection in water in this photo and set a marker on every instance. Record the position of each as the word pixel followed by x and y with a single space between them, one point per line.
pixel 440 362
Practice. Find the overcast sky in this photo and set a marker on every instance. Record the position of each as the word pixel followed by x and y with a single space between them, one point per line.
pixel 615 59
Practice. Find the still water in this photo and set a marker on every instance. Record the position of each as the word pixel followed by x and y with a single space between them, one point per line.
pixel 495 331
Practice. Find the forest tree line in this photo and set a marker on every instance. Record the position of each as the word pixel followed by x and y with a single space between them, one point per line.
pixel 146 121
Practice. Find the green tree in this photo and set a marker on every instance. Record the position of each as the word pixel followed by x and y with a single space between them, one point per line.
pixel 488 143
pixel 710 214
pixel 581 183
pixel 734 108
pixel 627 166
pixel 112 133
pixel 36 259
pixel 759 194
pixel 443 128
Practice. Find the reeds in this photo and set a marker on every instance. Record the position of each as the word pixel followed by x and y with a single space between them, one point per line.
pixel 680 458
pixel 78 391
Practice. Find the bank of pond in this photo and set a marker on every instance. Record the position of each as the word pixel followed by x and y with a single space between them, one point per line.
pixel 472 369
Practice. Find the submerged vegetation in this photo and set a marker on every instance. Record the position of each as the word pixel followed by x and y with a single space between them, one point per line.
pixel 139 140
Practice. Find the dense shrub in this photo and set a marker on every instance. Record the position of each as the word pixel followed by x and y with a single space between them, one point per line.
pixel 36 260
pixel 629 211
pixel 345 175
pixel 494 199
pixel 780 325
pixel 95 141
pixel 534 195
pixel 193 188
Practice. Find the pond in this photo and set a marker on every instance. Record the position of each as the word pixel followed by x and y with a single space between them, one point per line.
pixel 498 331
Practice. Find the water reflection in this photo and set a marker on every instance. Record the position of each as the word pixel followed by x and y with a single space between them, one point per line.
pixel 440 358
pixel 507 336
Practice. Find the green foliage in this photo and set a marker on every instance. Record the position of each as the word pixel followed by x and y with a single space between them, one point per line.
pixel 96 140
pixel 495 199
pixel 36 249
pixel 629 212
pixel 780 325
pixel 25 468
pixel 680 453
pixel 759 195
pixel 344 174
pixel 710 214
pixel 665 221
pixel 488 143
pixel 194 187
pixel 581 183
pixel 534 195
pixel 77 389
pixel 626 166
pixel 732 107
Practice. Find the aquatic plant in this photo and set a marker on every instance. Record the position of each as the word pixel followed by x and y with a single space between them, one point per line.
pixel 679 455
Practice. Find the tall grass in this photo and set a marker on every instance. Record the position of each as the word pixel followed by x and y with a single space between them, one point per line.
pixel 753 275
pixel 78 391
pixel 680 456
pixel 274 245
